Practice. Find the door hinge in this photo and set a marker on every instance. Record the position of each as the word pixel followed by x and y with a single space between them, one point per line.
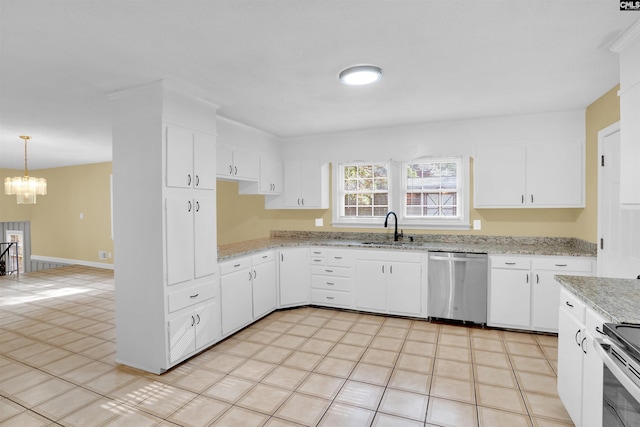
pixel 601 244
pixel 602 160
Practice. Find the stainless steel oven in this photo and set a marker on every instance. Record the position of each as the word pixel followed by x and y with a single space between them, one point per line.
pixel 620 354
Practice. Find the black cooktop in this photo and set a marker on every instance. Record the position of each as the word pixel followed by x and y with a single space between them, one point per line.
pixel 626 335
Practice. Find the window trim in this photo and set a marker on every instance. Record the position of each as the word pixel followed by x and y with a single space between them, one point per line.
pixel 337 219
pixel 397 197
pixel 446 223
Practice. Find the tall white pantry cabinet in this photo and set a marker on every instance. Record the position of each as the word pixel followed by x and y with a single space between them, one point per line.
pixel 166 291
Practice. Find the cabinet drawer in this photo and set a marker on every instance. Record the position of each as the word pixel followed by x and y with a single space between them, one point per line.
pixel 321 296
pixel 318 260
pixel 513 263
pixel 572 304
pixel 594 322
pixel 566 264
pixel 235 265
pixel 190 296
pixel 318 252
pixel 336 258
pixel 331 271
pixel 331 283
pixel 263 257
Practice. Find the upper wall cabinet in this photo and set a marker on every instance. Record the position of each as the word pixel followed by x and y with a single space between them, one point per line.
pixel 537 175
pixel 628 46
pixel 237 165
pixel 306 186
pixel 189 158
pixel 270 181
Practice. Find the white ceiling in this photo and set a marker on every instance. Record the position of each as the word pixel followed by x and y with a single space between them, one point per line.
pixel 273 64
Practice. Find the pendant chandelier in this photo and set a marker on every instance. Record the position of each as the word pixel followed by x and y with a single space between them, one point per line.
pixel 25 187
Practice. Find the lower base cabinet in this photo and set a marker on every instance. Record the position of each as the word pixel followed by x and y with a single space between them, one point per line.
pixel 194 331
pixel 236 295
pixel 389 282
pixel 294 274
pixel 580 370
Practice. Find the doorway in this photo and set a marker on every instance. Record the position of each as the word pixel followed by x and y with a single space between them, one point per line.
pixel 15 256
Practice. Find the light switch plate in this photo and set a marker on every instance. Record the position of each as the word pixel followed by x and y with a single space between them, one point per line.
pixel 319 222
pixel 477 224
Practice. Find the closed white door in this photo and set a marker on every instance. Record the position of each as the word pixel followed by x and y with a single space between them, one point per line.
pixel 618 228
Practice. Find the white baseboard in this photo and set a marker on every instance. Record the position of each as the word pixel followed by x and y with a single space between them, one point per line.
pixel 72 261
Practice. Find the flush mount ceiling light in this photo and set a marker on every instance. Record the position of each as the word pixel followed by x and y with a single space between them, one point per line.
pixel 360 75
pixel 25 187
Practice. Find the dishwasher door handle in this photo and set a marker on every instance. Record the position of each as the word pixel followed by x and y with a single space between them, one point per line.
pixel 444 258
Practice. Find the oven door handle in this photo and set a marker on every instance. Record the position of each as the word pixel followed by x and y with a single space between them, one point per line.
pixel 617 372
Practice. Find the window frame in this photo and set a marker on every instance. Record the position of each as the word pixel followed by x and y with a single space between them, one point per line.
pixel 461 221
pixel 397 196
pixel 338 201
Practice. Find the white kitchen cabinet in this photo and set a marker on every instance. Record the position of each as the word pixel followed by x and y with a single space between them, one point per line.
pixel 523 293
pixel 628 47
pixel 580 369
pixel 510 292
pixel 570 359
pixel 237 165
pixel 306 186
pixel 160 135
pixel 270 181
pixel 190 155
pixel 236 294
pixel 294 276
pixel 536 175
pixel 545 290
pixel 194 330
pixel 191 235
pixel 331 271
pixel 388 282
pixel 264 282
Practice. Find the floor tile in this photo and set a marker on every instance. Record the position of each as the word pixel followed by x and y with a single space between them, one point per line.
pixel 495 376
pixel 488 417
pixel 324 386
pixel 508 399
pixel 449 388
pixel 285 377
pixel 453 369
pixel 341 415
pixel 404 404
pixel 544 384
pixel 303 409
pixel 200 411
pixel 337 367
pixel 546 406
pixel 66 403
pixel 359 394
pixel 372 374
pixel 230 389
pixel 386 420
pixel 302 360
pixel 410 381
pixel 264 399
pixel 448 413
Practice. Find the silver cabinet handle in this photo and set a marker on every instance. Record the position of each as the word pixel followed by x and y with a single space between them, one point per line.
pixel 532 198
pixel 198 316
pixel 189 206
pixel 330 283
pixel 197 206
pixel 189 179
pixel 330 298
pixel 236 170
pixel 194 296
pixel 561 265
pixel 197 180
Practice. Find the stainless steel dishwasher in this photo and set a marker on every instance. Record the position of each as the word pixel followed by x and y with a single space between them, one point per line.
pixel 457 287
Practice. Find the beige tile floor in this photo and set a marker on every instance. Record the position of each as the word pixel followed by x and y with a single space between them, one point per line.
pixel 307 366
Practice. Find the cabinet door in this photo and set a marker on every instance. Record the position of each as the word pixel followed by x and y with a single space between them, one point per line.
pixel 224 161
pixel 270 175
pixel 371 285
pixel 630 146
pixel 510 298
pixel 295 276
pixel 404 288
pixel 204 159
pixel 592 377
pixel 207 324
pixel 180 239
pixel 236 300
pixel 179 156
pixel 205 234
pixel 264 289
pixel 292 173
pixel 545 295
pixel 310 184
pixel 570 364
pixel 555 175
pixel 499 176
pixel 246 165
pixel 182 340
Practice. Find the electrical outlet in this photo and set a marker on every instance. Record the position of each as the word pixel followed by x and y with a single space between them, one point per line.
pixel 319 222
pixel 102 254
pixel 477 225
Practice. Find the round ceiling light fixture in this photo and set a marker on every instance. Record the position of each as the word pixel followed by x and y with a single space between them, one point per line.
pixel 359 75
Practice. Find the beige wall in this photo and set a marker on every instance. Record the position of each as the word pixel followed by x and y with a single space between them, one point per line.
pixel 56 228
pixel 242 217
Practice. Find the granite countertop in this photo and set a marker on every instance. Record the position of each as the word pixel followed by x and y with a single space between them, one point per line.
pixel 494 245
pixel 617 300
